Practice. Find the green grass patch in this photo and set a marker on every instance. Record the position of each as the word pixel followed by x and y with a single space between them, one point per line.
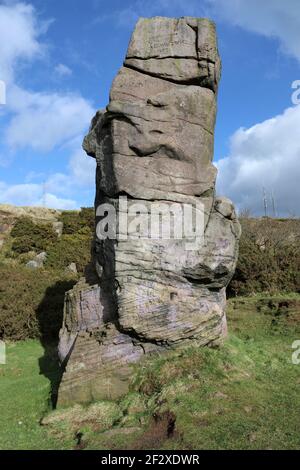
pixel 25 398
pixel 244 395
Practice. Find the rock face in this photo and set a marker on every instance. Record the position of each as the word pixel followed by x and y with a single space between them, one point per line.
pixel 154 147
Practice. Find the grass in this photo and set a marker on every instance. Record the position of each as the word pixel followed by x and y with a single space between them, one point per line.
pixel 244 395
pixel 24 399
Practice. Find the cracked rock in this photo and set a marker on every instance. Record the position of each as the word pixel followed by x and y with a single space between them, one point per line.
pixel 153 145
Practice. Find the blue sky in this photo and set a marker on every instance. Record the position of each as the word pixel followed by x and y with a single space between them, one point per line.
pixel 59 57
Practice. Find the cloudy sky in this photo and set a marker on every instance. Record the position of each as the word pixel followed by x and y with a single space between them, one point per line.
pixel 58 59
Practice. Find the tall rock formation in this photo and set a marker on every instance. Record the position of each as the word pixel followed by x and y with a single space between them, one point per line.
pixel 154 147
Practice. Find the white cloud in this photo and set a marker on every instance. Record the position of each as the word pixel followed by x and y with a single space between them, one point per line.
pixel 19 34
pixel 43 121
pixel 83 168
pixel 54 202
pixel 63 70
pixel 81 174
pixel 265 155
pixel 32 195
pixel 272 18
pixel 40 120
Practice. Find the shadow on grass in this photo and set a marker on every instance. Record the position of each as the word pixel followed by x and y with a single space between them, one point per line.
pixel 50 317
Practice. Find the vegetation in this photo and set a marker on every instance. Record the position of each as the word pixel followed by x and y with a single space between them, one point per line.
pixel 74 221
pixel 29 236
pixel 269 257
pixel 31 303
pixel 75 248
pixel 24 394
pixel 241 396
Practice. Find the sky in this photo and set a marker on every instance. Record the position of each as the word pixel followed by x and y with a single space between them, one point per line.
pixel 58 59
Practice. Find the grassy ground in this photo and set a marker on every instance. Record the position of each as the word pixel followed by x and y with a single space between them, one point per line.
pixel 242 396
pixel 24 399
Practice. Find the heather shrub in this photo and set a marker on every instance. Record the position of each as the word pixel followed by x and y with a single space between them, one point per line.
pixel 31 303
pixel 269 257
pixel 69 249
pixel 29 236
pixel 73 221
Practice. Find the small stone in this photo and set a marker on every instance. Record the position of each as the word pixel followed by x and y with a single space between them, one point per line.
pixel 41 258
pixel 72 268
pixel 38 261
pixel 32 264
pixel 221 395
pixel 248 409
pixel 252 437
pixel 58 228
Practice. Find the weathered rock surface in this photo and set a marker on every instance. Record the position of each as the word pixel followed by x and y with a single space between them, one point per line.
pixel 72 268
pixel 38 261
pixel 153 144
pixel 188 47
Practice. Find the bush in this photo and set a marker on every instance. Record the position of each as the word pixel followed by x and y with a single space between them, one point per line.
pixel 30 236
pixel 22 245
pixel 73 246
pixel 74 221
pixel 87 217
pixel 269 257
pixel 31 305
pixel 69 249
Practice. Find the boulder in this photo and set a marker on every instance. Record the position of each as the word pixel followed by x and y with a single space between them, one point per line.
pixel 38 261
pixel 152 290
